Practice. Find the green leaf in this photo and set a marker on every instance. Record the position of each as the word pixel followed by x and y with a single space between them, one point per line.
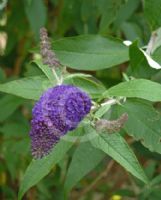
pixel 131 31
pixel 102 110
pixel 90 52
pixel 115 146
pixel 156 55
pixel 16 142
pixel 69 15
pixel 156 180
pixel 31 69
pixel 28 88
pixel 33 87
pixel 46 70
pixel 126 11
pixel 152 13
pixel 86 83
pixel 8 104
pixel 89 11
pixel 40 168
pixel 139 66
pixel 140 88
pixel 143 123
pixel 36 14
pixel 85 158
pixel 109 12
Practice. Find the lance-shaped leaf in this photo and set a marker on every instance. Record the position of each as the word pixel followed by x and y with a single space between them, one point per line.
pixel 28 88
pixel 90 52
pixel 41 167
pixel 115 146
pixel 143 123
pixel 140 88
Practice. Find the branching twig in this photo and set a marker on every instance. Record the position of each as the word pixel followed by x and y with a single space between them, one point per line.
pixel 96 181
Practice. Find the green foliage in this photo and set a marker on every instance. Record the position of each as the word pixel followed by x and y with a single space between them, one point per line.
pixel 87 83
pixel 36 14
pixel 87 37
pixel 28 88
pixel 116 147
pixel 142 116
pixel 90 52
pixel 140 88
pixel 40 168
pixel 8 105
pixel 84 159
pixel 109 12
pixel 152 13
pixel 47 71
pixel 139 65
pixel 15 143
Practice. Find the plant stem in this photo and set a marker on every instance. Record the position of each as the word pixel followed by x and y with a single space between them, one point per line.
pixel 58 80
pixel 96 181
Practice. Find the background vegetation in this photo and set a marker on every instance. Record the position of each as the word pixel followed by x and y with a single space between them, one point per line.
pixel 98 28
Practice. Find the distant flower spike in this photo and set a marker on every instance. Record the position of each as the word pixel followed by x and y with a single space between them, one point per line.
pixel 48 55
pixel 59 110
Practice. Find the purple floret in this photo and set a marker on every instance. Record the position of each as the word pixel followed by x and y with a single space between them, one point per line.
pixel 59 110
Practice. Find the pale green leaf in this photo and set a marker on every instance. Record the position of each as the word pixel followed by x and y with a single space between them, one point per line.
pixel 33 87
pixel 28 88
pixel 102 110
pixel 140 88
pixel 46 70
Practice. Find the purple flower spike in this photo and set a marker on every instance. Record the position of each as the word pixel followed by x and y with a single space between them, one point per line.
pixel 59 110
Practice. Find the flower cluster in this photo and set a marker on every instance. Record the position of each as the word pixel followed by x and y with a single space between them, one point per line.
pixel 59 110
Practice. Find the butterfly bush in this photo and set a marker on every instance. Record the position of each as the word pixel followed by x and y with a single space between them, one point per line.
pixel 59 110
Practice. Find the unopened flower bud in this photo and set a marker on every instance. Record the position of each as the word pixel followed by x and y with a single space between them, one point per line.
pixel 112 126
pixel 48 56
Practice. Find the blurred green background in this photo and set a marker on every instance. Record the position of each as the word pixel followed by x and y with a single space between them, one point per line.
pixel 20 22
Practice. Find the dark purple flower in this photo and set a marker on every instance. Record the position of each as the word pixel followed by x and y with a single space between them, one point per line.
pixel 59 110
